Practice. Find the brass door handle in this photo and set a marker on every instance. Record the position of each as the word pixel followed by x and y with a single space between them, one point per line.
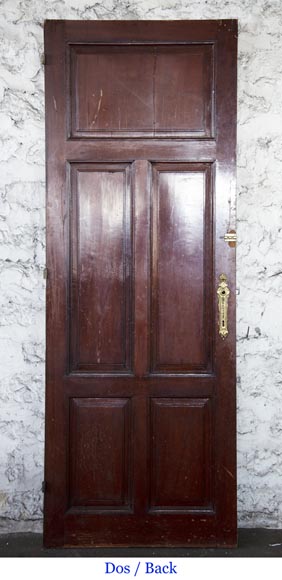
pixel 223 294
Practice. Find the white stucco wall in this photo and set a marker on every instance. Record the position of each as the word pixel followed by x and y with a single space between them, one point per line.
pixel 22 239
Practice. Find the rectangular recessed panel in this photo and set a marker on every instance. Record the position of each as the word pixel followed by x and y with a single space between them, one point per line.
pixel 161 90
pixel 182 265
pixel 99 452
pixel 100 268
pixel 181 463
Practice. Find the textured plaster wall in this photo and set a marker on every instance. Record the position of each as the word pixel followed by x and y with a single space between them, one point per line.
pixel 22 239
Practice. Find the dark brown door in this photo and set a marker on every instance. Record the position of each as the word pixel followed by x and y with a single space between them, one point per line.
pixel 140 415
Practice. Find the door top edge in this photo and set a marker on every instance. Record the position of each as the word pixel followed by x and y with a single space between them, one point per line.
pixel 163 23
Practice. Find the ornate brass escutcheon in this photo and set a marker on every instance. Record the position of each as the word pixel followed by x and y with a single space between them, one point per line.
pixel 223 294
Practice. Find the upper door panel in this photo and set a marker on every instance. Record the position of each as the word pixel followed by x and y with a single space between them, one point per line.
pixel 141 90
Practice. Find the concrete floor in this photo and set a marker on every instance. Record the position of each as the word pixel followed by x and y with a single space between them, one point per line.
pixel 252 543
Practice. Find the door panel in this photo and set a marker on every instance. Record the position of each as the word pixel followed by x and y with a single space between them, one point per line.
pixel 140 386
pixel 100 453
pixel 101 240
pixel 156 90
pixel 182 267
pixel 181 460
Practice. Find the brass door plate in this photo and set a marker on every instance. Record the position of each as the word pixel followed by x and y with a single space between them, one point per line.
pixel 223 294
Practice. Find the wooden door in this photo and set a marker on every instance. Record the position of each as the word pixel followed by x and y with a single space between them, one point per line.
pixel 140 411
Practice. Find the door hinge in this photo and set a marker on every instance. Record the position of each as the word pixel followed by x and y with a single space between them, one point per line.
pixel 43 486
pixel 43 58
pixel 45 273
